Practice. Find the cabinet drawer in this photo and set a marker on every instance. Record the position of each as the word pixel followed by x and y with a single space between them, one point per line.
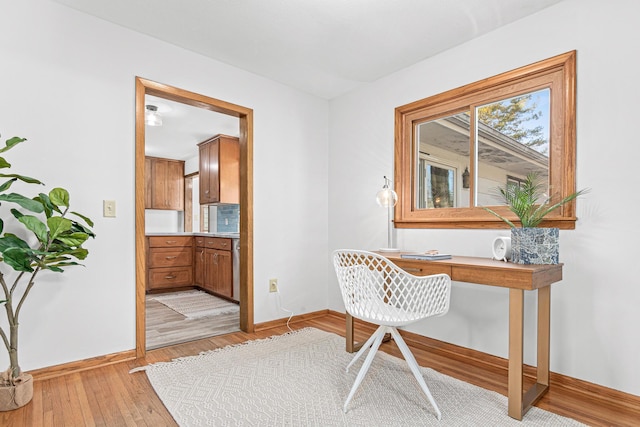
pixel 170 277
pixel 218 243
pixel 169 241
pixel 420 268
pixel 200 241
pixel 170 257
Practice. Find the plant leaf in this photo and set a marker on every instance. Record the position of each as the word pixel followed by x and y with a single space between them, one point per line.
pixel 84 218
pixel 26 179
pixel 73 239
pixel 9 241
pixel 57 226
pixel 30 204
pixel 36 226
pixel 5 186
pixel 82 229
pixel 499 216
pixel 46 203
pixel 59 197
pixel 18 259
pixel 12 142
pixel 79 253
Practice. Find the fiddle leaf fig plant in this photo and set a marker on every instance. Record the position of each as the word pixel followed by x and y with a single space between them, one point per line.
pixel 45 236
pixel 529 202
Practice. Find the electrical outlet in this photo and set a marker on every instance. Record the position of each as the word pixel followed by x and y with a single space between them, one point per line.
pixel 273 285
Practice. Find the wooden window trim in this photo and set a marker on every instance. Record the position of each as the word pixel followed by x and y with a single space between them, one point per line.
pixel 558 73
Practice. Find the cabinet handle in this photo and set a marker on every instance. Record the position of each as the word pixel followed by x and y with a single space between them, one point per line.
pixel 170 277
pixel 170 257
pixel 169 242
pixel 224 244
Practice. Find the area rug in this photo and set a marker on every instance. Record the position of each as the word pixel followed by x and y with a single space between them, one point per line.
pixel 196 304
pixel 299 379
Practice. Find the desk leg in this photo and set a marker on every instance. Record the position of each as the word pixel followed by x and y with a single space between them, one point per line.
pixel 520 403
pixel 544 328
pixel 352 345
pixel 349 335
pixel 516 323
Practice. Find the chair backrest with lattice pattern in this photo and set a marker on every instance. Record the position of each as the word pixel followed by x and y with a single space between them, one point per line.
pixel 378 291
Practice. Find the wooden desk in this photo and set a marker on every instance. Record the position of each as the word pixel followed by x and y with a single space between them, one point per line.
pixel 518 278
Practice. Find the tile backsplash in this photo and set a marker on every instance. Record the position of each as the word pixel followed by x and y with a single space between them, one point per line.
pixel 228 219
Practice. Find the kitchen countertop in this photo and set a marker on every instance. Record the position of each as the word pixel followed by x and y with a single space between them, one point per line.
pixel 227 235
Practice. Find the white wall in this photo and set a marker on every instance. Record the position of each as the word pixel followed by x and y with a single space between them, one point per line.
pixel 67 84
pixel 595 309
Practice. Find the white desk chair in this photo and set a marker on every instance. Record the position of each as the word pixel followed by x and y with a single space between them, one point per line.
pixel 377 291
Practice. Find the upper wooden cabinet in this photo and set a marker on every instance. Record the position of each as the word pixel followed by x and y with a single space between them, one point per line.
pixel 164 184
pixel 220 170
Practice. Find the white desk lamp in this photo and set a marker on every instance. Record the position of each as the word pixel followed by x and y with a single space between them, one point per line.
pixel 388 198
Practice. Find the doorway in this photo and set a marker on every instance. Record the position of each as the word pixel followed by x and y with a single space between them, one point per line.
pixel 245 116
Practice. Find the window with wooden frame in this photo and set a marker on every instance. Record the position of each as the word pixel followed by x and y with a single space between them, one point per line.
pixel 499 129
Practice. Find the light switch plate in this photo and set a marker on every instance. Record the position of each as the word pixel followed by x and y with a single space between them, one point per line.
pixel 109 208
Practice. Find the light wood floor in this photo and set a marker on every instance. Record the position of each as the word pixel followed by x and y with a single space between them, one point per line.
pixel 167 327
pixel 110 396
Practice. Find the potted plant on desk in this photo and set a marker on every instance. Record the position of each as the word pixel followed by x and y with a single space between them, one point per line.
pixel 50 240
pixel 530 244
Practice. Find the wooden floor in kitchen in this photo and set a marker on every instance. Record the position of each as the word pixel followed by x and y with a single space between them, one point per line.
pixel 166 327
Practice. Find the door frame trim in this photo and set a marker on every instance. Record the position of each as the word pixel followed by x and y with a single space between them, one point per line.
pixel 245 116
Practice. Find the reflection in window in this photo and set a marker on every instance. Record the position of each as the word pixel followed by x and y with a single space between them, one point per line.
pixel 512 141
pixel 438 184
pixel 443 153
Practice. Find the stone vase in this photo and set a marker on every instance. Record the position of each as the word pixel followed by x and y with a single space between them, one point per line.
pixel 535 245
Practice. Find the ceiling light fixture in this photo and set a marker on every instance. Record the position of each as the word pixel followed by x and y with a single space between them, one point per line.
pixel 152 118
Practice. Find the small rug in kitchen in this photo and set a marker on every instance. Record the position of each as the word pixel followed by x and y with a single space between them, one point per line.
pixel 196 304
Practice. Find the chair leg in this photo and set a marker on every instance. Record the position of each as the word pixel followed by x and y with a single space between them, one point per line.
pixel 364 347
pixel 413 365
pixel 375 341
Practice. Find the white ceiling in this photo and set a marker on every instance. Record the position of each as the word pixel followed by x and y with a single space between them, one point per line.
pixel 322 47
pixel 183 127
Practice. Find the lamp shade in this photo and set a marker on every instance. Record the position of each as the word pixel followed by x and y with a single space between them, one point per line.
pixel 386 197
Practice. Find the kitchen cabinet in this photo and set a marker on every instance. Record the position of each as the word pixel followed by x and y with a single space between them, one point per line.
pixel 164 184
pixel 219 170
pixel 169 262
pixel 218 272
pixel 213 265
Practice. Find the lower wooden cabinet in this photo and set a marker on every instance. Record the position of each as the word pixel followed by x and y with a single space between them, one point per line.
pixel 213 269
pixel 169 262
pixel 182 261
pixel 218 272
pixel 170 277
